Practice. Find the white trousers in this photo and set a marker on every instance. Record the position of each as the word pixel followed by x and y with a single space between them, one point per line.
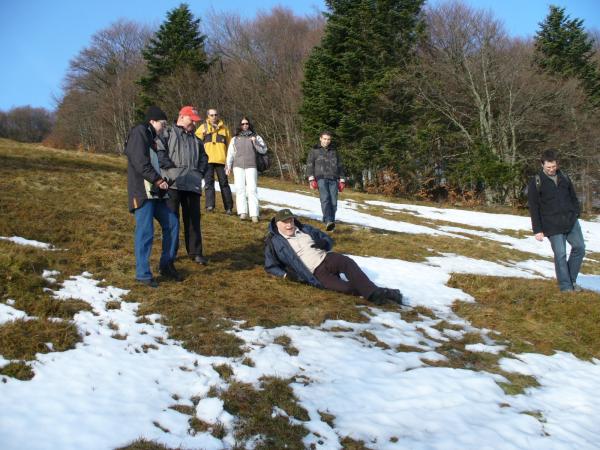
pixel 246 191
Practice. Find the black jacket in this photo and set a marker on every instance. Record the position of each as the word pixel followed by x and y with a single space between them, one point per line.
pixel 139 168
pixel 554 208
pixel 281 259
pixel 324 163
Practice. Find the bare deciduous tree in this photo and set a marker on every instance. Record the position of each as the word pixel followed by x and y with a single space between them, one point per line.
pixel 100 89
pixel 25 124
pixel 485 85
pixel 259 75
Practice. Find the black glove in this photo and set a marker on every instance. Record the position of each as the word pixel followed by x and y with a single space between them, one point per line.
pixel 290 275
pixel 157 192
pixel 320 243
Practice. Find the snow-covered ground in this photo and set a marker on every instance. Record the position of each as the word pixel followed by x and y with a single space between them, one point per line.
pixel 110 391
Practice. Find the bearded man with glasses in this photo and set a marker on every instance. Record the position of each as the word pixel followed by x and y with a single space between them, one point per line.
pixel 147 191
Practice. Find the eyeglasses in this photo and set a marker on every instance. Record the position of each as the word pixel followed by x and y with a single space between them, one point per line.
pixel 245 123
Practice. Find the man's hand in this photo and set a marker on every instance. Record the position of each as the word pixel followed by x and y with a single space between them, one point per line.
pixel 320 243
pixel 313 183
pixel 341 185
pixel 539 236
pixel 227 170
pixel 162 184
pixel 253 138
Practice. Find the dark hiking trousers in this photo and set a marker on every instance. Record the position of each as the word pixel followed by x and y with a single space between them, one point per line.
pixel 209 186
pixel 328 274
pixel 190 210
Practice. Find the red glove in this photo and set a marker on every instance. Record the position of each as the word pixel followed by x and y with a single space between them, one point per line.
pixel 341 185
pixel 313 184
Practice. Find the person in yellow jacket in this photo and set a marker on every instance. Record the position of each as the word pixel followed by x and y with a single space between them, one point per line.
pixel 215 136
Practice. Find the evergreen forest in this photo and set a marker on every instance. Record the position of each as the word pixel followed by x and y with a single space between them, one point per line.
pixel 424 102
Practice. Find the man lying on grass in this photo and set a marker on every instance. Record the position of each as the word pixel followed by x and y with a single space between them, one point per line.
pixel 302 253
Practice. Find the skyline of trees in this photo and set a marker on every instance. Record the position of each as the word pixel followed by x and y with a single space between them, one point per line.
pixel 434 103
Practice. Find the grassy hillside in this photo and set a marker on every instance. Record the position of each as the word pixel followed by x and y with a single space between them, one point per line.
pixel 78 203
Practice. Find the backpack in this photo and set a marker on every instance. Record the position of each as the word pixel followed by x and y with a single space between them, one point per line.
pixel 538 182
pixel 263 162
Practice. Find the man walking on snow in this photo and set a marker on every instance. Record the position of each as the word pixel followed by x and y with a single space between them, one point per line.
pixel 554 210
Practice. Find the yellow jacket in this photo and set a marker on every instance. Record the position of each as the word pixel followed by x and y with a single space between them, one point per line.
pixel 215 139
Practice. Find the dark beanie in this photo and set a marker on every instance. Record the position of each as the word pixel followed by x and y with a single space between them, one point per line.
pixel 154 113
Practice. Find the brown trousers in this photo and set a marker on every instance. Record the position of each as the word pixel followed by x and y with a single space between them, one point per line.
pixel 328 274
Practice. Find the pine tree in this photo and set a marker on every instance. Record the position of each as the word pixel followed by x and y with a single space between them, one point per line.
pixel 351 84
pixel 564 48
pixel 178 46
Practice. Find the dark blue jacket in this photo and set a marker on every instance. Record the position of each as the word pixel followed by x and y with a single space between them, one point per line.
pixel 554 209
pixel 281 259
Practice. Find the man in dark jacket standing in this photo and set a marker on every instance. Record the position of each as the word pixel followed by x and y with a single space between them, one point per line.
pixel 554 210
pixel 147 190
pixel 183 160
pixel 326 173
pixel 302 253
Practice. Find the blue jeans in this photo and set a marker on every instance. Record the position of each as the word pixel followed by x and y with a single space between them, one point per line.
pixel 328 192
pixel 567 271
pixel 144 235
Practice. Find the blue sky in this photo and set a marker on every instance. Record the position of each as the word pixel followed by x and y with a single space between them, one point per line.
pixel 40 37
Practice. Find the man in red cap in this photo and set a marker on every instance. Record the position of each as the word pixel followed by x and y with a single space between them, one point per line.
pixel 183 162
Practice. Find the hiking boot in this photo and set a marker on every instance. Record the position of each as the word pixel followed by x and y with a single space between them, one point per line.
pixel 199 259
pixel 378 296
pixel 210 209
pixel 394 295
pixel 150 282
pixel 577 288
pixel 330 226
pixel 254 219
pixel 171 272
pixel 243 216
pixel 228 212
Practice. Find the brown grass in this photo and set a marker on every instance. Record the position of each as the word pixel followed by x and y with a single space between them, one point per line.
pixel 144 444
pixel 22 339
pixel 19 370
pixel 533 315
pixel 78 202
pixel 254 408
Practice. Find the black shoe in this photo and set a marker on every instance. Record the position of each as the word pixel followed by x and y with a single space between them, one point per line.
pixel 151 282
pixel 394 295
pixel 170 272
pixel 200 259
pixel 210 209
pixel 228 212
pixel 330 226
pixel 378 296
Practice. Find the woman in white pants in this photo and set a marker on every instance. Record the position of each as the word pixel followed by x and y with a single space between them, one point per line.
pixel 241 157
